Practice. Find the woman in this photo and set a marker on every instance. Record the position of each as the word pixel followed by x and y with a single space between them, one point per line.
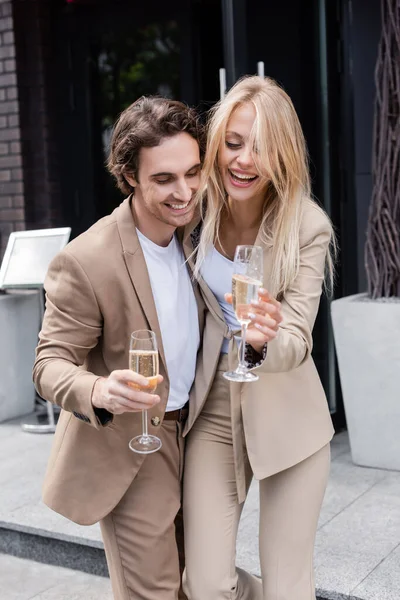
pixel 277 428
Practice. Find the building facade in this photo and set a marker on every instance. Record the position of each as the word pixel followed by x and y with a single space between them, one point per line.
pixel 68 68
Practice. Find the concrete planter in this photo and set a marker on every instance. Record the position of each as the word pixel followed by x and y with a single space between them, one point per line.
pixel 367 339
pixel 19 327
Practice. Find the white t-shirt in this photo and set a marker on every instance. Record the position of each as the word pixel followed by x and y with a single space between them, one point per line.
pixel 177 315
pixel 217 271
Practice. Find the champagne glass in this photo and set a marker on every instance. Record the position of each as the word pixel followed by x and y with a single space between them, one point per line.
pixel 143 359
pixel 246 281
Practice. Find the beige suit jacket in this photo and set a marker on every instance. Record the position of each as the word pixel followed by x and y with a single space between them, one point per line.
pixel 97 292
pixel 284 416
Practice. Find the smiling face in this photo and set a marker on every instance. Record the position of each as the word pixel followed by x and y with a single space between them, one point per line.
pixel 168 177
pixel 236 157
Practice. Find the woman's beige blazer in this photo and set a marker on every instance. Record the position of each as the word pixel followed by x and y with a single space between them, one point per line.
pixel 284 416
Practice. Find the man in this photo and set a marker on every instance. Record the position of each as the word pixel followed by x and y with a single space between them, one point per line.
pixel 127 273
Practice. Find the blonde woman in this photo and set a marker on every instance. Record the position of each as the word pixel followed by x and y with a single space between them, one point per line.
pixel 256 190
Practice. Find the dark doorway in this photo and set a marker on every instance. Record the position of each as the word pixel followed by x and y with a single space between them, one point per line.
pixel 109 54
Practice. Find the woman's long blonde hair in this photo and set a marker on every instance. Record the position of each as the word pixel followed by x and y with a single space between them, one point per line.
pixel 281 161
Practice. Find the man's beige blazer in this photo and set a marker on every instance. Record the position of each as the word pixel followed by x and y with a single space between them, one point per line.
pixel 284 416
pixel 97 292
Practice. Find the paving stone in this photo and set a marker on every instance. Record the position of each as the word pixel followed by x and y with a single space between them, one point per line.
pixel 347 482
pixel 28 580
pixel 22 579
pixel 247 543
pixel 21 479
pixel 355 542
pixel 384 581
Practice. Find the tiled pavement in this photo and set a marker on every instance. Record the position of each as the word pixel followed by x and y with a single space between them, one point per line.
pixel 357 551
pixel 22 579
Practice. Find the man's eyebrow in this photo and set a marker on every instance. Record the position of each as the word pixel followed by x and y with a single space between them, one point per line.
pixel 162 174
pixel 167 174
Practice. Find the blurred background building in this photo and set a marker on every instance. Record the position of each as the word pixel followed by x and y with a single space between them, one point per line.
pixel 68 68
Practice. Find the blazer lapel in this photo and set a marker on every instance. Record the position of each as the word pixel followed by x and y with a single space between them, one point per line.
pixel 137 269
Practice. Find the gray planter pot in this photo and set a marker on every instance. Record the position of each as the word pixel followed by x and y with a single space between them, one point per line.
pixel 367 339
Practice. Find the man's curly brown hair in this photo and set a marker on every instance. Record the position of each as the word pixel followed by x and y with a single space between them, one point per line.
pixel 144 124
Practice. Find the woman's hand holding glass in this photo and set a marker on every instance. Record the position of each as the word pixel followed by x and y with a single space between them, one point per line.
pixel 247 279
pixel 265 317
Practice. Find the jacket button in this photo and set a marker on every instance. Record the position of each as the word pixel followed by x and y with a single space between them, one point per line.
pixel 155 421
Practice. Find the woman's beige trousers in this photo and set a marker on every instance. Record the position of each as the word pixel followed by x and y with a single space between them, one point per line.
pixel 290 503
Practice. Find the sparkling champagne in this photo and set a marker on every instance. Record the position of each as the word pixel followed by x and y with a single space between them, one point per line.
pixel 244 291
pixel 145 362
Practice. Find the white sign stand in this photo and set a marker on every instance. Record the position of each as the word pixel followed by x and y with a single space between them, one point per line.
pixel 24 266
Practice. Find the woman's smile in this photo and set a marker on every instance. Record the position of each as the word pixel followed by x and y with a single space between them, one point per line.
pixel 241 178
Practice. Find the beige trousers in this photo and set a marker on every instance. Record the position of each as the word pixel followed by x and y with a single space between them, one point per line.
pixel 139 534
pixel 290 503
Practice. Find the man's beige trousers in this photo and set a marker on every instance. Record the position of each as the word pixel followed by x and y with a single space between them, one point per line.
pixel 290 503
pixel 139 535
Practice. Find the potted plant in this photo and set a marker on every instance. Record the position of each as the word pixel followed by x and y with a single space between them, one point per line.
pixel 367 326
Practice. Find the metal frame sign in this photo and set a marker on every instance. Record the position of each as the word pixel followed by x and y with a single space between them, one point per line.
pixel 28 255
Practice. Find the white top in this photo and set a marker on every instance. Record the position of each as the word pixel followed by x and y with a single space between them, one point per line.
pixel 177 315
pixel 217 271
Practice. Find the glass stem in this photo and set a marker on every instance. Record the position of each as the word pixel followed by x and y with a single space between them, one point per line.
pixel 242 361
pixel 144 424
